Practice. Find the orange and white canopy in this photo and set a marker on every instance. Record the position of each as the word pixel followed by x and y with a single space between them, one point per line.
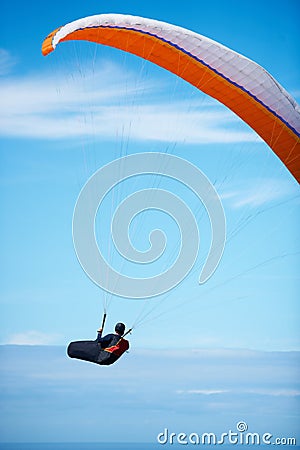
pixel 236 81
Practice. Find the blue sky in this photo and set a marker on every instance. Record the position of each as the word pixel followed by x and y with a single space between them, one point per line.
pixel 65 116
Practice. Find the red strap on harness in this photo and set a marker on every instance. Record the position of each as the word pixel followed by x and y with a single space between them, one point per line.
pixel 119 348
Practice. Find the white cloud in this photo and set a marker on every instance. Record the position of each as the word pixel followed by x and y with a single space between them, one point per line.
pixel 32 338
pixel 7 61
pixel 107 102
pixel 275 392
pixel 203 391
pixel 259 192
pixel 238 391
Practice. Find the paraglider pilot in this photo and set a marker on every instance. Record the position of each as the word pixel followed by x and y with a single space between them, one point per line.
pixel 104 350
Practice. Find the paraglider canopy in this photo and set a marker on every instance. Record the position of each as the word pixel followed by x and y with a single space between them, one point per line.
pixel 236 81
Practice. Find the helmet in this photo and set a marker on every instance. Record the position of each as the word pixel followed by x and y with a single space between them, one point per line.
pixel 120 328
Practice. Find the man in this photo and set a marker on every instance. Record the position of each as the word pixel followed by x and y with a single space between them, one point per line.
pixel 104 350
pixel 113 345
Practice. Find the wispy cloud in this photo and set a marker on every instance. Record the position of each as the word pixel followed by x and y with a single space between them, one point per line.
pixel 7 61
pixel 238 391
pixel 203 391
pixel 108 101
pixel 259 192
pixel 33 338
